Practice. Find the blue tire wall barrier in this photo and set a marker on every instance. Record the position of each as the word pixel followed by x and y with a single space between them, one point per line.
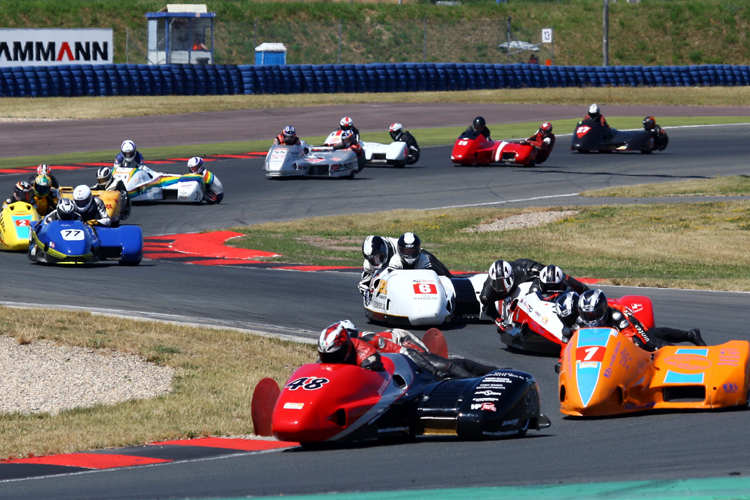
pixel 176 79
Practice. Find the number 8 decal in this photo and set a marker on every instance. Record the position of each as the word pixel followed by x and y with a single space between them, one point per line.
pixel 425 289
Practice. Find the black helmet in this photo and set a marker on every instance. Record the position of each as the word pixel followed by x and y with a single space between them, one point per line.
pixel 409 247
pixel 566 307
pixel 375 250
pixel 593 307
pixel 479 124
pixel 501 276
pixel 22 191
pixel 649 123
pixel 550 279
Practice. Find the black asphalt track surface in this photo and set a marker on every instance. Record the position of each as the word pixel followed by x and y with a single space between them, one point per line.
pixel 647 446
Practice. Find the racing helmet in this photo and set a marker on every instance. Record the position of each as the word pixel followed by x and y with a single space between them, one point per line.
pixel 83 198
pixel 594 111
pixel 649 123
pixel 593 307
pixel 545 128
pixel 409 248
pixel 550 279
pixel 22 192
pixel 335 342
pixel 501 276
pixel 42 185
pixel 346 123
pixel 566 307
pixel 104 175
pixel 43 169
pixel 195 165
pixel 128 151
pixel 289 133
pixel 395 130
pixel 479 124
pixel 347 137
pixel 375 250
pixel 66 209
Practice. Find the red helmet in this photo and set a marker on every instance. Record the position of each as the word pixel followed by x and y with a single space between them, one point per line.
pixel 546 128
pixel 346 123
pixel 335 342
pixel 649 123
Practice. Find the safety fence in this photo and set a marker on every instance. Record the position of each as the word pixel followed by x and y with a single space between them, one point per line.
pixel 141 79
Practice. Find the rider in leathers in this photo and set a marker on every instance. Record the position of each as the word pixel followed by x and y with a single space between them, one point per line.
pixel 398 341
pixel 409 255
pixel 523 270
pixel 105 182
pixel 399 134
pixel 543 141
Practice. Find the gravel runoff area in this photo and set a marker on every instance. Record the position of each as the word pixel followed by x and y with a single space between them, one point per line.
pixel 531 219
pixel 44 377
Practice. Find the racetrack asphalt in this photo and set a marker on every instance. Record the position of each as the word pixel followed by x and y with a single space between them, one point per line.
pixel 658 446
pixel 25 138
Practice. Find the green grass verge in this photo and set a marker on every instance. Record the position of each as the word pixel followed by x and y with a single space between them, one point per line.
pixel 425 137
pixel 620 244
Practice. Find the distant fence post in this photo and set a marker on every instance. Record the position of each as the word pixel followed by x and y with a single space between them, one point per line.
pixel 127 45
pixel 255 34
pixel 424 41
pixel 507 29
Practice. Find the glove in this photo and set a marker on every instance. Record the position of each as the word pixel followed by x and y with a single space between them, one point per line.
pixel 367 296
pixel 500 324
pixel 210 197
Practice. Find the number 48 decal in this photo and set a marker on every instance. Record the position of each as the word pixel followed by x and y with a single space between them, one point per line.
pixel 307 383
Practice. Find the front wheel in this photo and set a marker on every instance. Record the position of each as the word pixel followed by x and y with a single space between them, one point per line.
pixel 531 164
pixel 524 428
pixel 646 151
pixel 400 164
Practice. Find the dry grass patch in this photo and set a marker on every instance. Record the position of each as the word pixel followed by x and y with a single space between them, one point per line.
pixel 215 372
pixel 737 185
pixel 685 245
pixel 56 108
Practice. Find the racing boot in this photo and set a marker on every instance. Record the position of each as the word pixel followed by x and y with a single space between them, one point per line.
pixel 694 337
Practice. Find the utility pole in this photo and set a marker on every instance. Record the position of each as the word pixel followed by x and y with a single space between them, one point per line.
pixel 509 37
pixel 605 44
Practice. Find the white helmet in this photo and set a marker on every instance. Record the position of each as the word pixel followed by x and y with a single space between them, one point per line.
pixel 128 151
pixel 82 198
pixel 346 123
pixel 593 110
pixel 501 276
pixel 395 130
pixel 195 165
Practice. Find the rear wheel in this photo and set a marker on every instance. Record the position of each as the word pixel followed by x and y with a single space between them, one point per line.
pixel 646 151
pixel 531 164
pixel 400 164
pixel 129 262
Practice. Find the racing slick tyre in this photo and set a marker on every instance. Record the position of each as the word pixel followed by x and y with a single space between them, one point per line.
pixel 646 151
pixel 400 164
pixel 583 151
pixel 524 428
pixel 531 164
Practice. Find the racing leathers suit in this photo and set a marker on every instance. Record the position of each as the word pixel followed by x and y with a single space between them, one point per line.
pixel 523 270
pixel 411 145
pixel 368 269
pixel 470 131
pixel 54 215
pixel 96 212
pixel 599 118
pixel 46 204
pixel 361 354
pixel 399 341
pixel 116 185
pixel 354 130
pixel 425 261
pixel 135 162
pixel 622 319
pixel 543 144
pixel 214 189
